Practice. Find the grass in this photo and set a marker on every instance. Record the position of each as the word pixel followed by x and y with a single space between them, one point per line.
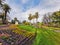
pixel 27 28
pixel 51 28
pixel 44 36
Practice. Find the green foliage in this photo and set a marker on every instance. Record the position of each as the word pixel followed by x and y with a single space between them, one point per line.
pixel 56 18
pixel 27 27
pixel 6 9
pixel 15 19
pixel 35 16
pixel 52 19
pixel 1 2
pixel 24 21
pixel 27 23
pixel 30 17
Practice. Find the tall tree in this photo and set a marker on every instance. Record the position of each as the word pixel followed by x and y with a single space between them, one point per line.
pixel 45 19
pixel 0 2
pixel 2 17
pixel 15 19
pixel 36 16
pixel 6 9
pixel 33 17
pixel 30 17
pixel 56 17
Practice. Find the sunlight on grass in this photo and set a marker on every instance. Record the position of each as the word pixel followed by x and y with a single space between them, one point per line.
pixel 44 36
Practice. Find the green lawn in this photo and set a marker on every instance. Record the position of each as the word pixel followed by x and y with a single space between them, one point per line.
pixel 44 36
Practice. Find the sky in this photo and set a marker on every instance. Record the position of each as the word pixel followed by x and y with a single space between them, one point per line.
pixel 22 8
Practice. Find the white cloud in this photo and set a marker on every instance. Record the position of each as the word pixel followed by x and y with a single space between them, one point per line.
pixel 24 1
pixel 51 3
pixel 42 9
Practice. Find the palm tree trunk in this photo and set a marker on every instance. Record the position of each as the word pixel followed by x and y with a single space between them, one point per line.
pixel 30 22
pixel 5 17
pixel 3 20
pixel 36 20
pixel 33 21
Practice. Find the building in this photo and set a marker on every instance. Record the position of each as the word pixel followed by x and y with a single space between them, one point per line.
pixel 16 22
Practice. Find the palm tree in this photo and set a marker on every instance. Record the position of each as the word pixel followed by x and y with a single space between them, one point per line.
pixel 33 17
pixel 36 16
pixel 6 9
pixel 2 17
pixel 1 1
pixel 30 17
